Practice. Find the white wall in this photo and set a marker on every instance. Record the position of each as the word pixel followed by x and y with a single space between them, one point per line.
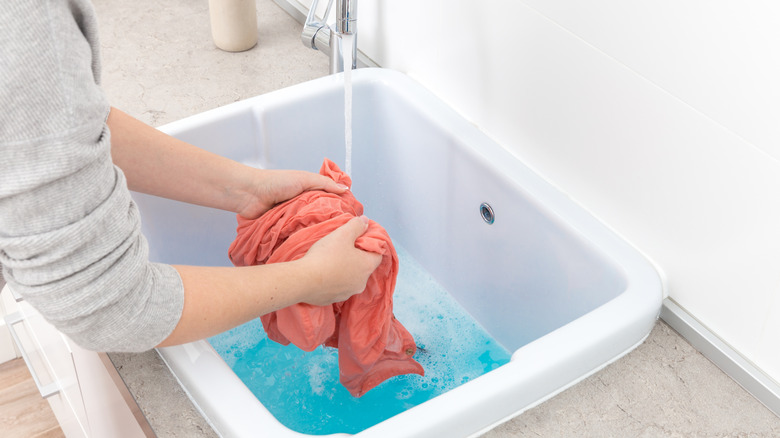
pixel 662 118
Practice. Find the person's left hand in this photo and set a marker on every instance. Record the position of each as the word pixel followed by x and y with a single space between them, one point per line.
pixel 275 186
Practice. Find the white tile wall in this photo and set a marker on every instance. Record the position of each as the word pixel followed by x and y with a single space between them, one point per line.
pixel 659 117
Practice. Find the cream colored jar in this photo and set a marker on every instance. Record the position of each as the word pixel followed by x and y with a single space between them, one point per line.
pixel 233 24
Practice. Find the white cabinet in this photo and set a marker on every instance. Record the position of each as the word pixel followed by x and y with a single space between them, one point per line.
pixel 74 381
pixel 8 350
pixel 108 413
pixel 49 359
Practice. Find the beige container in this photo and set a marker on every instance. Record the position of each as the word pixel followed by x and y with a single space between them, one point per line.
pixel 233 24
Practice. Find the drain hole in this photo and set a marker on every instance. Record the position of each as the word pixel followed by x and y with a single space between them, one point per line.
pixel 487 213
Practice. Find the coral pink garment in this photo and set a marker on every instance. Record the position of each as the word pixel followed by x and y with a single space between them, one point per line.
pixel 373 345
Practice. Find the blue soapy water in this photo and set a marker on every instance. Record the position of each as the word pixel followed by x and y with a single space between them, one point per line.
pixel 303 392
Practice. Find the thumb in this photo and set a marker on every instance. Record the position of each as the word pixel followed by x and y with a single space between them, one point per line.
pixel 320 182
pixel 356 227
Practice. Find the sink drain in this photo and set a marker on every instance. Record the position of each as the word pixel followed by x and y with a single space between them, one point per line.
pixel 487 213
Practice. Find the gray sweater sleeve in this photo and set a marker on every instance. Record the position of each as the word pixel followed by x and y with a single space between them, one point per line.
pixel 70 241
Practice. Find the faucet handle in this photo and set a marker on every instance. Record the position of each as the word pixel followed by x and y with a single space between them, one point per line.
pixel 316 33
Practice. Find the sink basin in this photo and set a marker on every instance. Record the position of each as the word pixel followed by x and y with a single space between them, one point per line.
pixel 550 283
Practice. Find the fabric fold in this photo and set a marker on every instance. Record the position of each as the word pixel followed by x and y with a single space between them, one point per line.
pixel 373 346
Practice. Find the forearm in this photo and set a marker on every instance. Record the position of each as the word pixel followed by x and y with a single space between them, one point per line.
pixel 158 164
pixel 220 298
pixel 217 299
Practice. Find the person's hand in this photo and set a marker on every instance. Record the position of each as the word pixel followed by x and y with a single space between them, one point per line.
pixel 272 187
pixel 338 269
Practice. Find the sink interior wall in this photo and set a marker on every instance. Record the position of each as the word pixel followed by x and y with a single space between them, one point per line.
pixel 521 277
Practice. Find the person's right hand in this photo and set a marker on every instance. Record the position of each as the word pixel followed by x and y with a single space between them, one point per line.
pixel 339 269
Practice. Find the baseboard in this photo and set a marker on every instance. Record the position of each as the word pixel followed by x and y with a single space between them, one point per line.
pixel 295 9
pixel 756 382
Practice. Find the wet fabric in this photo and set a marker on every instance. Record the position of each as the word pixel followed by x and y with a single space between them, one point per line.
pixel 373 346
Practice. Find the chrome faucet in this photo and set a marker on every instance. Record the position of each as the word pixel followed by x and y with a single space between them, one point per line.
pixel 319 36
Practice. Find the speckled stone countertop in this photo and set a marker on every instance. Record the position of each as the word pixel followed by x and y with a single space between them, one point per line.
pixel 165 405
pixel 160 65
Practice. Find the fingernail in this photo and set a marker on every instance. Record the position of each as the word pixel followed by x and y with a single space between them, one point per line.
pixel 342 186
pixel 364 218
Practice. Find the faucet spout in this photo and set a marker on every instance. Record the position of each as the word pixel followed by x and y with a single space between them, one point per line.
pixel 346 19
pixel 318 35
